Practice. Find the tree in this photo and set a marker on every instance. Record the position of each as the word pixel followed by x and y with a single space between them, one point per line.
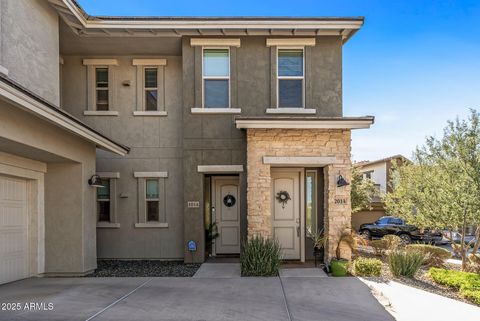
pixel 362 191
pixel 440 190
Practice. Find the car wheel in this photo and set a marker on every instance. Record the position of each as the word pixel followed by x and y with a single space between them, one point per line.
pixel 366 234
pixel 406 239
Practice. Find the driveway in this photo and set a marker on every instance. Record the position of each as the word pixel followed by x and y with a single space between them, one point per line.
pixel 200 298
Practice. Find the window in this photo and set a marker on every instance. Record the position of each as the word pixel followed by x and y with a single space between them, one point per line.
pixel 151 89
pixel 382 221
pixel 101 88
pixel 290 78
pixel 216 78
pixel 153 200
pixel 311 195
pixel 368 175
pixel 103 201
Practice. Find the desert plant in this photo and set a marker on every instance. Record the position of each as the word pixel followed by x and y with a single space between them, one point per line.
pixel 468 284
pixel 403 263
pixel 393 242
pixel 367 267
pixel 317 237
pixel 260 257
pixel 434 255
pixel 379 247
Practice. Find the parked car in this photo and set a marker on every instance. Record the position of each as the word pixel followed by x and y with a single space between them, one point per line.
pixel 390 225
pixel 457 237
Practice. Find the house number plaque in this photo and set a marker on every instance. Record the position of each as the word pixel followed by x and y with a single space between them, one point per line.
pixel 193 204
pixel 340 200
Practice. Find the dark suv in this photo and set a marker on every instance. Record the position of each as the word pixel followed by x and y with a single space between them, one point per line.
pixel 396 226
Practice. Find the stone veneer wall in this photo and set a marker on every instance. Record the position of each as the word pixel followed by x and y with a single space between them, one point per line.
pixel 291 143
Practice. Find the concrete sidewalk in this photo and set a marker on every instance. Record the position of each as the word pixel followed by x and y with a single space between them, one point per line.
pixel 407 303
pixel 200 298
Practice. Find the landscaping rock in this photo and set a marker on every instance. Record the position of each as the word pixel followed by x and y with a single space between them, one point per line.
pixel 143 268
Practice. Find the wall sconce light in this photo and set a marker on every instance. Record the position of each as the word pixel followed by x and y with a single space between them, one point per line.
pixel 95 181
pixel 126 83
pixel 341 182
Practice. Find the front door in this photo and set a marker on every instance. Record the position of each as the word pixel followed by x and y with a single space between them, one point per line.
pixel 226 213
pixel 286 209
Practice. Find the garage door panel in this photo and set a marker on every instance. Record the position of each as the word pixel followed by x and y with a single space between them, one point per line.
pixel 13 229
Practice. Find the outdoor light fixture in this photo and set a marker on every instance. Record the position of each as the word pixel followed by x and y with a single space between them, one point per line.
pixel 95 181
pixel 341 182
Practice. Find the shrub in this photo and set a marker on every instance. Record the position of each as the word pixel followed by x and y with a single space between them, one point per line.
pixel 467 283
pixel 404 263
pixel 393 242
pixel 379 246
pixel 434 255
pixel 260 257
pixel 367 267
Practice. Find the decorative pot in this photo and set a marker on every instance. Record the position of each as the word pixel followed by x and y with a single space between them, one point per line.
pixel 339 267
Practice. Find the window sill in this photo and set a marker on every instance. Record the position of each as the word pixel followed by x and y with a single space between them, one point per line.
pixel 107 225
pixel 151 225
pixel 216 111
pixel 290 111
pixel 150 113
pixel 100 113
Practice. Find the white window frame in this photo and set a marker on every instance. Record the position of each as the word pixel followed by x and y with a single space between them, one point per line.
pixel 291 77
pixel 147 200
pixel 217 78
pixel 142 178
pixel 315 195
pixel 145 89
pixel 112 178
pixel 107 89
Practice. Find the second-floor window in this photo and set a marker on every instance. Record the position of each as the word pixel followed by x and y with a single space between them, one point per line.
pixel 216 78
pixel 290 78
pixel 151 89
pixel 101 88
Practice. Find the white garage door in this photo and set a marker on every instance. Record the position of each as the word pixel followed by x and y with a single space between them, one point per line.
pixel 13 229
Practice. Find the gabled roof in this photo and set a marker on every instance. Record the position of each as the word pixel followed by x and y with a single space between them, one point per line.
pixel 18 95
pixel 382 160
pixel 86 25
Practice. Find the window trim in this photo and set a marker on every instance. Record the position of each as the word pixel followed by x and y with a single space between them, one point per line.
pixel 217 77
pixel 278 48
pixel 141 220
pixel 141 64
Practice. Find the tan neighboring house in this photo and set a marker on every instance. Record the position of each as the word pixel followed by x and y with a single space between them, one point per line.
pixel 379 171
pixel 236 121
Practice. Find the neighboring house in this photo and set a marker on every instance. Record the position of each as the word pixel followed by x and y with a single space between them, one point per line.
pixel 221 117
pixel 379 171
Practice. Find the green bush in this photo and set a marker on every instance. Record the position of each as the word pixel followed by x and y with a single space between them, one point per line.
pixel 403 263
pixel 260 257
pixel 367 267
pixel 467 283
pixel 434 255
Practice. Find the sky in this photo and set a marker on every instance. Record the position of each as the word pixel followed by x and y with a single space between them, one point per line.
pixel 413 65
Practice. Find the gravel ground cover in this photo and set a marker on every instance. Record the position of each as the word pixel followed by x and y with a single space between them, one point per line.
pixel 420 281
pixel 143 268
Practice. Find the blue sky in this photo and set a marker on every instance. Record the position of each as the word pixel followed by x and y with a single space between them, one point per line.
pixel 414 64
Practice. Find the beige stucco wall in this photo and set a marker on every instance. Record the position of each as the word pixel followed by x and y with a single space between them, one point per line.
pixel 69 202
pixel 306 143
pixel 29 47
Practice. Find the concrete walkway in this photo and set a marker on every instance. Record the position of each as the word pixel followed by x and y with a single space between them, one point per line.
pixel 407 303
pixel 204 297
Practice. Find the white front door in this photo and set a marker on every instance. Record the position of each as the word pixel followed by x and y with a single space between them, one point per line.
pixel 13 229
pixel 226 213
pixel 286 207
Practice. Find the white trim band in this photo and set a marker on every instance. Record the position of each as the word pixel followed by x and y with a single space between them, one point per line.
pixel 220 168
pixel 151 225
pixel 109 174
pixel 150 174
pixel 290 111
pixel 305 124
pixel 100 113
pixel 290 42
pixel 150 113
pixel 300 161
pixel 149 62
pixel 215 110
pixel 226 42
pixel 100 62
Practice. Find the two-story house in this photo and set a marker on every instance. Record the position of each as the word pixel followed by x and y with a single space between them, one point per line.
pixel 234 121
pixel 380 172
